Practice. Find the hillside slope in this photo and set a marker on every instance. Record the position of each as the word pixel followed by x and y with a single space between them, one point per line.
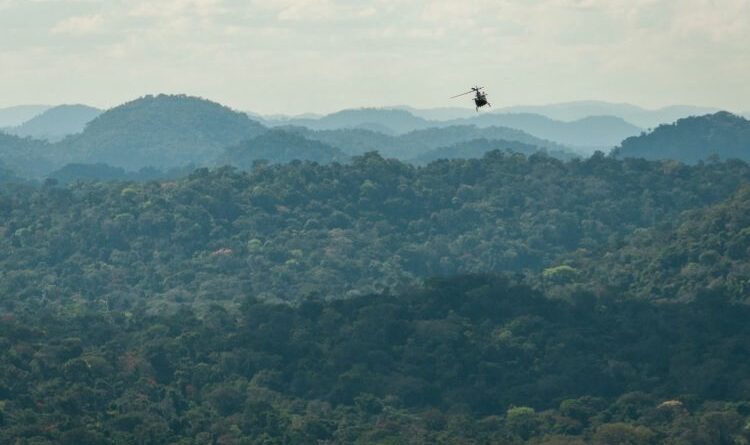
pixel 704 252
pixel 411 145
pixel 639 116
pixel 14 116
pixel 57 122
pixel 589 134
pixel 692 139
pixel 277 147
pixel 26 157
pixel 159 131
pixel 390 120
pixel 477 148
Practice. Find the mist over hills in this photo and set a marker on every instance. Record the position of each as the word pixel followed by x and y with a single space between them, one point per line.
pixel 411 145
pixel 168 133
pixel 56 123
pixel 439 114
pixel 692 139
pixel 277 147
pixel 639 116
pixel 389 120
pixel 587 134
pixel 13 116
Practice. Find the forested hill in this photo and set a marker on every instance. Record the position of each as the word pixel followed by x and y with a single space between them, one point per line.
pixel 287 231
pixel 508 299
pixel 589 133
pixel 693 139
pixel 24 155
pixel 14 116
pixel 278 146
pixel 166 133
pixel 159 131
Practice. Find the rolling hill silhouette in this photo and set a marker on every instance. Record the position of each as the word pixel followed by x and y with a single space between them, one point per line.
pixel 692 139
pixel 277 146
pixel 57 122
pixel 160 131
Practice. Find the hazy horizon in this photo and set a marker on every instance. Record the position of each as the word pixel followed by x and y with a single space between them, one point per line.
pixel 407 107
pixel 319 56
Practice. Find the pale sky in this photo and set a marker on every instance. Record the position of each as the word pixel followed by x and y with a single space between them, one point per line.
pixel 294 56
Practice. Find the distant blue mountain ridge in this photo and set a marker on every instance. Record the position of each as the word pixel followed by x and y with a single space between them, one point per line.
pixel 55 123
pixel 171 132
pixel 586 135
pixel 17 115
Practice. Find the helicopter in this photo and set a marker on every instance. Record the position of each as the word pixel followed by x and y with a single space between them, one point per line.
pixel 480 98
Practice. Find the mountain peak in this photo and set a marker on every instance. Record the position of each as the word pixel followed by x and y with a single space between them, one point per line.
pixel 168 130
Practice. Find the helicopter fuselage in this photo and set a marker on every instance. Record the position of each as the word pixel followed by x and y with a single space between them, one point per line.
pixel 480 101
pixel 480 98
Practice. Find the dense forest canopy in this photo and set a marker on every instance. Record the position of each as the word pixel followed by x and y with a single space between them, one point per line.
pixel 287 231
pixel 706 248
pixel 524 297
pixel 24 155
pixel 471 360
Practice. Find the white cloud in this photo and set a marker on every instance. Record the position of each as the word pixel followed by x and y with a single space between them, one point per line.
pixel 80 25
pixel 530 50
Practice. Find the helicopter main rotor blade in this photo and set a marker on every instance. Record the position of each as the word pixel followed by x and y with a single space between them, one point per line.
pixel 462 94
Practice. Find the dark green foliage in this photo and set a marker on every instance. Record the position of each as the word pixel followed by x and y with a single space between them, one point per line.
pixel 102 172
pixel 278 147
pixel 25 156
pixel 693 139
pixel 479 359
pixel 291 230
pixel 7 175
pixel 706 252
pixel 596 301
